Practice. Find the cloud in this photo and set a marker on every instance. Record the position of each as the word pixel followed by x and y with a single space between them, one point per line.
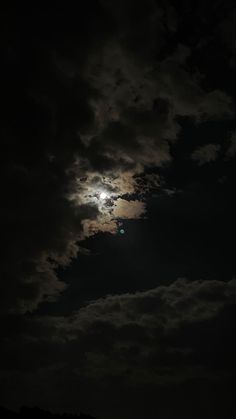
pixel 88 104
pixel 206 153
pixel 166 336
pixel 165 306
pixel 128 209
pixel 94 100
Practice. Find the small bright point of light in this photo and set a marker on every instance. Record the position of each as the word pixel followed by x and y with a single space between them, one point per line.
pixel 103 195
pixel 122 231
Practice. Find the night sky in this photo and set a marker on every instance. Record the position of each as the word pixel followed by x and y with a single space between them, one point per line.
pixel 118 149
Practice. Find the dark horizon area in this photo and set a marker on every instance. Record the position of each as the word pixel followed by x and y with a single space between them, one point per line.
pixel 37 413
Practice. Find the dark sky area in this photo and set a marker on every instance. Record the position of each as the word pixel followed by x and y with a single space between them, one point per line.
pixel 118 149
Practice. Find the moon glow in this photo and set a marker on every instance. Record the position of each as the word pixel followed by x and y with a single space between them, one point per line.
pixel 103 195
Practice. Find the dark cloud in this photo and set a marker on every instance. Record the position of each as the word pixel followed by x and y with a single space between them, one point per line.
pixel 206 153
pixel 155 338
pixel 102 108
pixel 44 109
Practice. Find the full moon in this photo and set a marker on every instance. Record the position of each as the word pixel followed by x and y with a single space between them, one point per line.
pixel 103 195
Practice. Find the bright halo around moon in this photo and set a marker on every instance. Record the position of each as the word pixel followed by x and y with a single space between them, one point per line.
pixel 103 195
